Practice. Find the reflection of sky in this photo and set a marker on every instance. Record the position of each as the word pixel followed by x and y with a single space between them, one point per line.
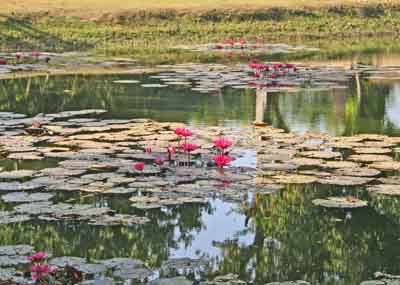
pixel 393 105
pixel 222 225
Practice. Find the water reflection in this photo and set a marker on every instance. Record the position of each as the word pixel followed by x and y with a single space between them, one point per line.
pixel 276 237
pixel 366 106
pixel 261 104
pixel 294 240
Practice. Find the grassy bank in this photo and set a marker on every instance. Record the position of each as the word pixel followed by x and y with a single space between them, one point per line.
pixel 150 33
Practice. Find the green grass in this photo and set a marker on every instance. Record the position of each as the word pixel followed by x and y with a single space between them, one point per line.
pixel 152 35
pixel 95 7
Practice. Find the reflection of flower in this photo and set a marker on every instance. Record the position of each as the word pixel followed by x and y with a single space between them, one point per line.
pixel 171 150
pixel 39 271
pixel 222 160
pixel 159 160
pixel 189 147
pixel 37 257
pixel 35 54
pixel 139 166
pixel 222 143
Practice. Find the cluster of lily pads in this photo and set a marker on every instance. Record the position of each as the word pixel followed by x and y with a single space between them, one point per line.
pixel 363 160
pixel 241 45
pixel 276 77
pixel 149 160
pixel 52 63
pixel 21 265
pixel 161 165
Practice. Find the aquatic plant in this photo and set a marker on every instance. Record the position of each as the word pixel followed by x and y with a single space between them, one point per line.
pixel 189 148
pixel 37 257
pixel 139 166
pixel 3 61
pixel 40 271
pixel 171 150
pixel 159 161
pixel 35 54
pixel 183 132
pixel 222 160
pixel 222 143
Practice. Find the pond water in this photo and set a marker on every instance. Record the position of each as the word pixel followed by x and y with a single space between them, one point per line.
pixel 274 237
pixel 371 108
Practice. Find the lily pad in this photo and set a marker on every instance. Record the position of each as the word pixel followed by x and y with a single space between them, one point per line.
pixel 21 249
pixel 18 186
pixel 386 165
pixel 26 156
pixel 345 180
pixel 340 164
pixel 126 81
pixel 321 154
pixel 307 161
pixel 11 218
pixel 19 197
pixel 126 268
pixel 369 158
pixel 340 202
pixel 372 150
pixel 385 189
pixel 118 220
pixel 17 174
pixel 359 172
pixel 295 179
pixel 172 281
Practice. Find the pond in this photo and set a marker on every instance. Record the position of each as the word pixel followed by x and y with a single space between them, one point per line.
pixel 373 108
pixel 264 238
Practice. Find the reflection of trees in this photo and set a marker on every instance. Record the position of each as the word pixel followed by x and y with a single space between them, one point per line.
pixel 359 109
pixel 57 93
pixel 366 108
pixel 151 242
pixel 311 244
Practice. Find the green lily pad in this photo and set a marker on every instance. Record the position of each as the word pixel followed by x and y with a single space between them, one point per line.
pixel 20 197
pixel 340 202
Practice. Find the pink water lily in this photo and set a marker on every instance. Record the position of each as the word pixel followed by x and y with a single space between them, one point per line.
pixel 138 166
pixel 148 150
pixel 222 160
pixel 189 147
pixel 183 132
pixel 3 61
pixel 222 143
pixel 37 257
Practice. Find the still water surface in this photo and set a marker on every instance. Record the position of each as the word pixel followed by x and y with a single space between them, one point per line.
pixel 270 238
